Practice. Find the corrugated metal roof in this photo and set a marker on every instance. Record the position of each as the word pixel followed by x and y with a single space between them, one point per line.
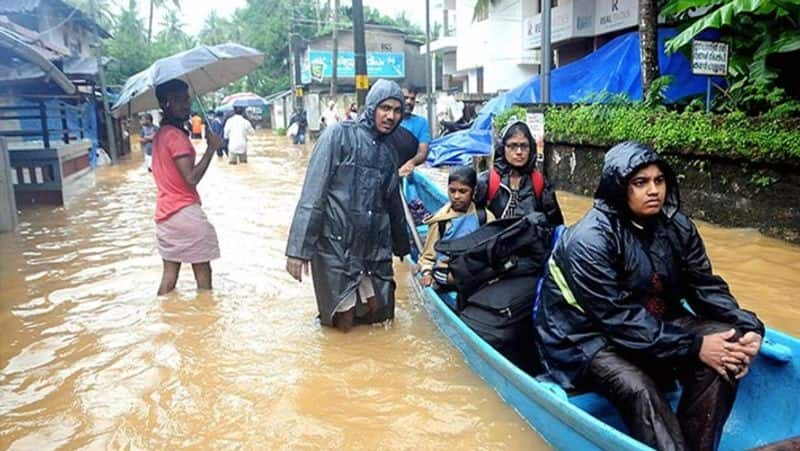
pixel 26 6
pixel 18 6
pixel 21 51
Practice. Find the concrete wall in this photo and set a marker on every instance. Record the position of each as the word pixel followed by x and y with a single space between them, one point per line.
pixel 718 190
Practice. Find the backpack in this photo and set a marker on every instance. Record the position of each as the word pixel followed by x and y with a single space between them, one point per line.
pixel 494 184
pixel 500 313
pixel 503 248
pixel 480 212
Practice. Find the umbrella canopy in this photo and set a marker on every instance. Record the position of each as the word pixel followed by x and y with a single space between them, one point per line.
pixel 239 95
pixel 252 101
pixel 245 99
pixel 204 68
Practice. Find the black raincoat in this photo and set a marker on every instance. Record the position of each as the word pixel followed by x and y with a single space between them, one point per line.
pixel 349 219
pixel 527 201
pixel 599 290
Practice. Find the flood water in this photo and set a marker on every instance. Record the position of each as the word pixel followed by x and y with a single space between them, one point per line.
pixel 91 358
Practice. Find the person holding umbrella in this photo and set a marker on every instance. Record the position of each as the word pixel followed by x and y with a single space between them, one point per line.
pixel 183 232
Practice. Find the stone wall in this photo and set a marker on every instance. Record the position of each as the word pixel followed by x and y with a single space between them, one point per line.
pixel 718 190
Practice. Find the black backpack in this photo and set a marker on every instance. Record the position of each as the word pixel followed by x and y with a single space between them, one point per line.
pixel 501 314
pixel 500 249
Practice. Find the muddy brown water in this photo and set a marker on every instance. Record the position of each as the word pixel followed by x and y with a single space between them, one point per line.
pixel 91 358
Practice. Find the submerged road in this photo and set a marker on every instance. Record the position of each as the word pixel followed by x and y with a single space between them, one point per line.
pixel 91 358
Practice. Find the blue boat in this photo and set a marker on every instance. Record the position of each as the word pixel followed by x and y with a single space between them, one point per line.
pixel 767 408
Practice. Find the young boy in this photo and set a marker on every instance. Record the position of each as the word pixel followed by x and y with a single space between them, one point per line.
pixel 456 218
pixel 146 135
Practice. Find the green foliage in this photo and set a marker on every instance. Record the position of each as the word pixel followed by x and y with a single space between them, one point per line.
pixel 515 112
pixel 655 95
pixel 482 9
pixel 171 39
pixel 733 135
pixel 763 180
pixel 280 131
pixel 757 31
pixel 261 24
pixel 128 48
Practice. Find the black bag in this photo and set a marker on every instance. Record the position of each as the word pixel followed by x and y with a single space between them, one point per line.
pixel 501 313
pixel 500 249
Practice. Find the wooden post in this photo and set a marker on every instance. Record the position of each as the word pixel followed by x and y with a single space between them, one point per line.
pixel 43 120
pixel 8 206
pixel 80 121
pixel 64 131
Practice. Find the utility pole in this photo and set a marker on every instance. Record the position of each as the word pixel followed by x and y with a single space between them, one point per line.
pixel 428 68
pixel 547 52
pixel 298 80
pixel 101 73
pixel 360 50
pixel 334 69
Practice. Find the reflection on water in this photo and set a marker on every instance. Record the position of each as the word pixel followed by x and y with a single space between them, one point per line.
pixel 91 358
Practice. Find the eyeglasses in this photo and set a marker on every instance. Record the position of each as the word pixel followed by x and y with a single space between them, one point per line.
pixel 525 147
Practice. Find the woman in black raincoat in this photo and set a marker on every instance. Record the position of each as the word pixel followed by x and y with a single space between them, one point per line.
pixel 513 194
pixel 610 317
pixel 349 218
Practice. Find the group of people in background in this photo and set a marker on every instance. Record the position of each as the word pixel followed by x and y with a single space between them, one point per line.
pixel 235 130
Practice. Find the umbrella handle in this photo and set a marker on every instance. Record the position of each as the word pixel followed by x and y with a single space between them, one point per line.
pixel 199 100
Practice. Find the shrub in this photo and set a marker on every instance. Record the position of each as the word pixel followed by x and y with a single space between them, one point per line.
pixel 768 138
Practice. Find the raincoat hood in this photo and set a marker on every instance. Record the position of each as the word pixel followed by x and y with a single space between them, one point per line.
pixel 380 91
pixel 619 165
pixel 500 162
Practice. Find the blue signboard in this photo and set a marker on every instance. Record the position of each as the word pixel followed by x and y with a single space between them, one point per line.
pixel 319 65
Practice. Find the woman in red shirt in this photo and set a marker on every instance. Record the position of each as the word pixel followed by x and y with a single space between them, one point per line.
pixel 183 232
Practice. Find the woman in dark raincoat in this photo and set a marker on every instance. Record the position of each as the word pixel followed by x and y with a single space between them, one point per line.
pixel 514 162
pixel 349 217
pixel 610 316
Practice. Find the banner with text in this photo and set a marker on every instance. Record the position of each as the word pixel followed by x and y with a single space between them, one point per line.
pixel 318 65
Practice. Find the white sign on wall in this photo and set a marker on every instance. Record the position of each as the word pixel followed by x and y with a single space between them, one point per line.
pixel 560 26
pixel 709 58
pixel 613 15
pixel 574 19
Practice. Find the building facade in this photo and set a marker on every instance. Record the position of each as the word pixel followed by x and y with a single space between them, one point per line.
pixel 501 49
pixel 48 98
pixel 391 54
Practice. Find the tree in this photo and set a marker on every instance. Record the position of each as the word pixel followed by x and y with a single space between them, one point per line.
pixel 128 47
pixel 171 39
pixel 648 43
pixel 216 30
pixel 481 9
pixel 157 4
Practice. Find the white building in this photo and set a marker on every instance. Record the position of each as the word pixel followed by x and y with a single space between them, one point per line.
pixel 501 49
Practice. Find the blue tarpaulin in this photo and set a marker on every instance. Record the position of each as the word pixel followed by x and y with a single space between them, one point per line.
pixel 613 68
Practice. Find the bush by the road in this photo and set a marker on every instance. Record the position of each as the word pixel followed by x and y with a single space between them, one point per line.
pixel 732 135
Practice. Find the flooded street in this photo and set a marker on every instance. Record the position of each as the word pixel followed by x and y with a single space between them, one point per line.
pixel 91 358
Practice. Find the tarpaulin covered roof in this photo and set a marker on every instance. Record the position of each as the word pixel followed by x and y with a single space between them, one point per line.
pixel 614 69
